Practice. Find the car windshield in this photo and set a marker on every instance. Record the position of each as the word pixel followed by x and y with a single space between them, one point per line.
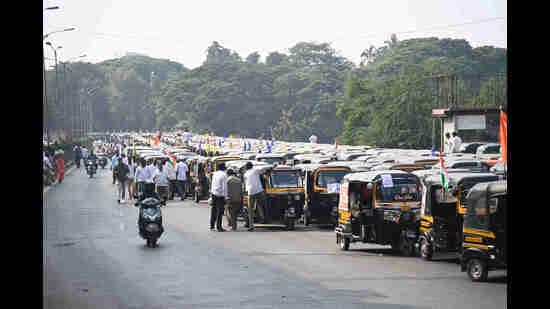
pixel 397 189
pixel 285 179
pixel 329 177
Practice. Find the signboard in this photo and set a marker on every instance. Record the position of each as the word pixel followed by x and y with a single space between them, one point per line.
pixel 470 122
pixel 343 203
pixel 387 181
pixel 439 112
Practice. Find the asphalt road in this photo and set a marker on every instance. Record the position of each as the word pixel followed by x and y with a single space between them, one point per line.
pixel 94 258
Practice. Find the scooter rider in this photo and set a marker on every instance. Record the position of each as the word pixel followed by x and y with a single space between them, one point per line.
pixel 93 158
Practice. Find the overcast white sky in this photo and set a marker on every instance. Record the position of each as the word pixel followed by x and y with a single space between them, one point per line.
pixel 182 30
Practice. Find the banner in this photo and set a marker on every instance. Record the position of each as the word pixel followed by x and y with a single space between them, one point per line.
pixel 503 136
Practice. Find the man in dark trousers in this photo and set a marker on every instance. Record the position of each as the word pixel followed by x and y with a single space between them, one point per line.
pixel 121 171
pixel 218 196
pixel 234 205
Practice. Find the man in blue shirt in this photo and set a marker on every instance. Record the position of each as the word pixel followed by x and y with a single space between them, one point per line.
pixel 114 163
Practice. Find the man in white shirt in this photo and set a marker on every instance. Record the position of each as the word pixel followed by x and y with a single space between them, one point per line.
pixel 181 178
pixel 313 139
pixel 161 182
pixel 219 196
pixel 171 172
pixel 255 191
pixel 457 142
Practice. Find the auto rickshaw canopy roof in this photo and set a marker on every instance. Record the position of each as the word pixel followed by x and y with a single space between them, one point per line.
pixel 370 175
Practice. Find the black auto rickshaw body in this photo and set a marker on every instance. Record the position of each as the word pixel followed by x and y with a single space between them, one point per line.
pixel 322 192
pixel 484 230
pixel 206 166
pixel 442 212
pixel 381 207
pixel 284 196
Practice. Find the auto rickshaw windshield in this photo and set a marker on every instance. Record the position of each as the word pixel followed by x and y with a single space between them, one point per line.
pixel 329 177
pixel 400 190
pixel 285 179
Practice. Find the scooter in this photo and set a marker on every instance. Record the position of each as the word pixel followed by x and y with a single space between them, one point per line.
pixel 150 220
pixel 91 168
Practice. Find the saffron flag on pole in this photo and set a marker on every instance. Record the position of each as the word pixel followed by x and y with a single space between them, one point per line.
pixel 336 143
pixel 444 174
pixel 503 135
pixel 156 140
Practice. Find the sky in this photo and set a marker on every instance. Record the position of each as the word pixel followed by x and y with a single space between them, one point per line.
pixel 182 30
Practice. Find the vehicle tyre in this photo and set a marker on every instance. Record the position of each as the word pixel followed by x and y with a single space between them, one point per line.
pixel 425 250
pixel 307 219
pixel 148 243
pixel 406 247
pixel 290 224
pixel 344 243
pixel 477 270
pixel 153 242
pixel 196 197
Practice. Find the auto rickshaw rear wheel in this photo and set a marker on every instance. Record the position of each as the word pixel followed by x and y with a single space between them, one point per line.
pixel 196 197
pixel 477 270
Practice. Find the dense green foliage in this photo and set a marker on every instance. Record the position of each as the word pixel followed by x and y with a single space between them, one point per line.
pixel 386 101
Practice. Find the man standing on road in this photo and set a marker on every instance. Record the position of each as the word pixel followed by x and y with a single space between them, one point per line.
pixel 255 193
pixel 181 178
pixel 161 181
pixel 219 196
pixel 114 162
pixel 77 155
pixel 171 172
pixel 234 205
pixel 121 171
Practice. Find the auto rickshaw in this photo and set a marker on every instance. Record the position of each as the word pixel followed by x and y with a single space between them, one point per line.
pixel 441 215
pixel 322 191
pixel 284 196
pixel 199 180
pixel 381 207
pixel 484 230
pixel 205 168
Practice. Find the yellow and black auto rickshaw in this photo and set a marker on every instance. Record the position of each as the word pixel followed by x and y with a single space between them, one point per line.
pixel 484 230
pixel 284 198
pixel 322 192
pixel 381 207
pixel 442 212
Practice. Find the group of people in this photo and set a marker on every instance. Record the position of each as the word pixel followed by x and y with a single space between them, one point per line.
pixel 166 178
pixel 227 194
pixel 452 143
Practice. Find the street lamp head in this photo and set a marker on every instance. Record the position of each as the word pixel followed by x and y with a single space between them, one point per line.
pixel 70 29
pixel 52 8
pixel 59 47
pixel 49 43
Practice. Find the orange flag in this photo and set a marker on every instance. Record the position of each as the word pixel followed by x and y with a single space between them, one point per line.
pixel 503 136
pixel 156 140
